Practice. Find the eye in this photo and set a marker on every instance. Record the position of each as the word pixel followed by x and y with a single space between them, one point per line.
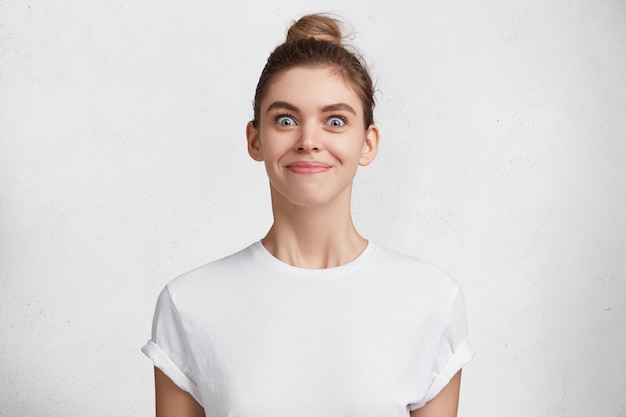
pixel 285 120
pixel 336 121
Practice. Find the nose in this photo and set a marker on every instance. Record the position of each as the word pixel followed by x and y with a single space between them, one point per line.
pixel 309 139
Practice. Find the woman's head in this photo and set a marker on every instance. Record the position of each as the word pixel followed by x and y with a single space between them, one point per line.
pixel 316 41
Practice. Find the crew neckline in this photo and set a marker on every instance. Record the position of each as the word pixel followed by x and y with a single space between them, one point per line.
pixel 277 264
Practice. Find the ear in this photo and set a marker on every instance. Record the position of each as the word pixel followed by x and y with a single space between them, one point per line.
pixel 254 144
pixel 370 145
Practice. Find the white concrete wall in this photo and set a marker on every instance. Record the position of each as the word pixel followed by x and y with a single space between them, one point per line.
pixel 123 164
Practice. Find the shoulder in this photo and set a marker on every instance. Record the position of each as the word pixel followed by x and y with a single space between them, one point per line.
pixel 423 297
pixel 213 275
pixel 414 273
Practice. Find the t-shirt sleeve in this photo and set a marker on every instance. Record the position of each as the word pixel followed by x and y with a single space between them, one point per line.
pixel 452 351
pixel 169 348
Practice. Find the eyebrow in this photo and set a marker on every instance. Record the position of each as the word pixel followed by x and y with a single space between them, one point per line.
pixel 282 105
pixel 325 109
pixel 337 107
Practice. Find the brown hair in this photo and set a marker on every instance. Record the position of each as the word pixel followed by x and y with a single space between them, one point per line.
pixel 316 40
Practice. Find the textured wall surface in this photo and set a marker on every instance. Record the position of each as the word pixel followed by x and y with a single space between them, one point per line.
pixel 123 164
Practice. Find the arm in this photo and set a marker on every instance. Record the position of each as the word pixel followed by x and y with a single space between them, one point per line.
pixel 445 404
pixel 171 401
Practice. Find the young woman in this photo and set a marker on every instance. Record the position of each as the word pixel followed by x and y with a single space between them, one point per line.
pixel 313 320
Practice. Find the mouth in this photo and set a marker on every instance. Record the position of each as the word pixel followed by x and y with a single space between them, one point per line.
pixel 308 167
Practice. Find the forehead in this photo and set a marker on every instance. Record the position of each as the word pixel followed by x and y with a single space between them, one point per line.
pixel 311 87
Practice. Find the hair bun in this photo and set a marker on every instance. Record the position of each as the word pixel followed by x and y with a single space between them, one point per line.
pixel 316 26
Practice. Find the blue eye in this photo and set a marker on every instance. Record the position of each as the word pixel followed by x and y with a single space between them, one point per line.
pixel 285 121
pixel 336 121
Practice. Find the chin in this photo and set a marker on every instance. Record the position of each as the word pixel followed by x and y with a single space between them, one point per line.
pixel 310 197
pixel 309 202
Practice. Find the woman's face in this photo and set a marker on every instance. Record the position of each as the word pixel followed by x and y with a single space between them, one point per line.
pixel 310 135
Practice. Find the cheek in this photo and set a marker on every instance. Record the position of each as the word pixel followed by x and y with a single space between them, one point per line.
pixel 353 148
pixel 273 151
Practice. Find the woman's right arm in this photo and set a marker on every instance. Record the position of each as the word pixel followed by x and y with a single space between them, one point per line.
pixel 171 401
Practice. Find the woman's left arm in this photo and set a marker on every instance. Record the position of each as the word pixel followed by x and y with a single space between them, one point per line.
pixel 445 404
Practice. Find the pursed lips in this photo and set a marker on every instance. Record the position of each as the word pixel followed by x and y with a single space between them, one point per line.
pixel 308 167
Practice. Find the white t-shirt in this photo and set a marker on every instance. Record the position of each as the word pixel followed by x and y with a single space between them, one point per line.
pixel 249 335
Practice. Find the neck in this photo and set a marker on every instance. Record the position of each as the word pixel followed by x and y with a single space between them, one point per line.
pixel 313 237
